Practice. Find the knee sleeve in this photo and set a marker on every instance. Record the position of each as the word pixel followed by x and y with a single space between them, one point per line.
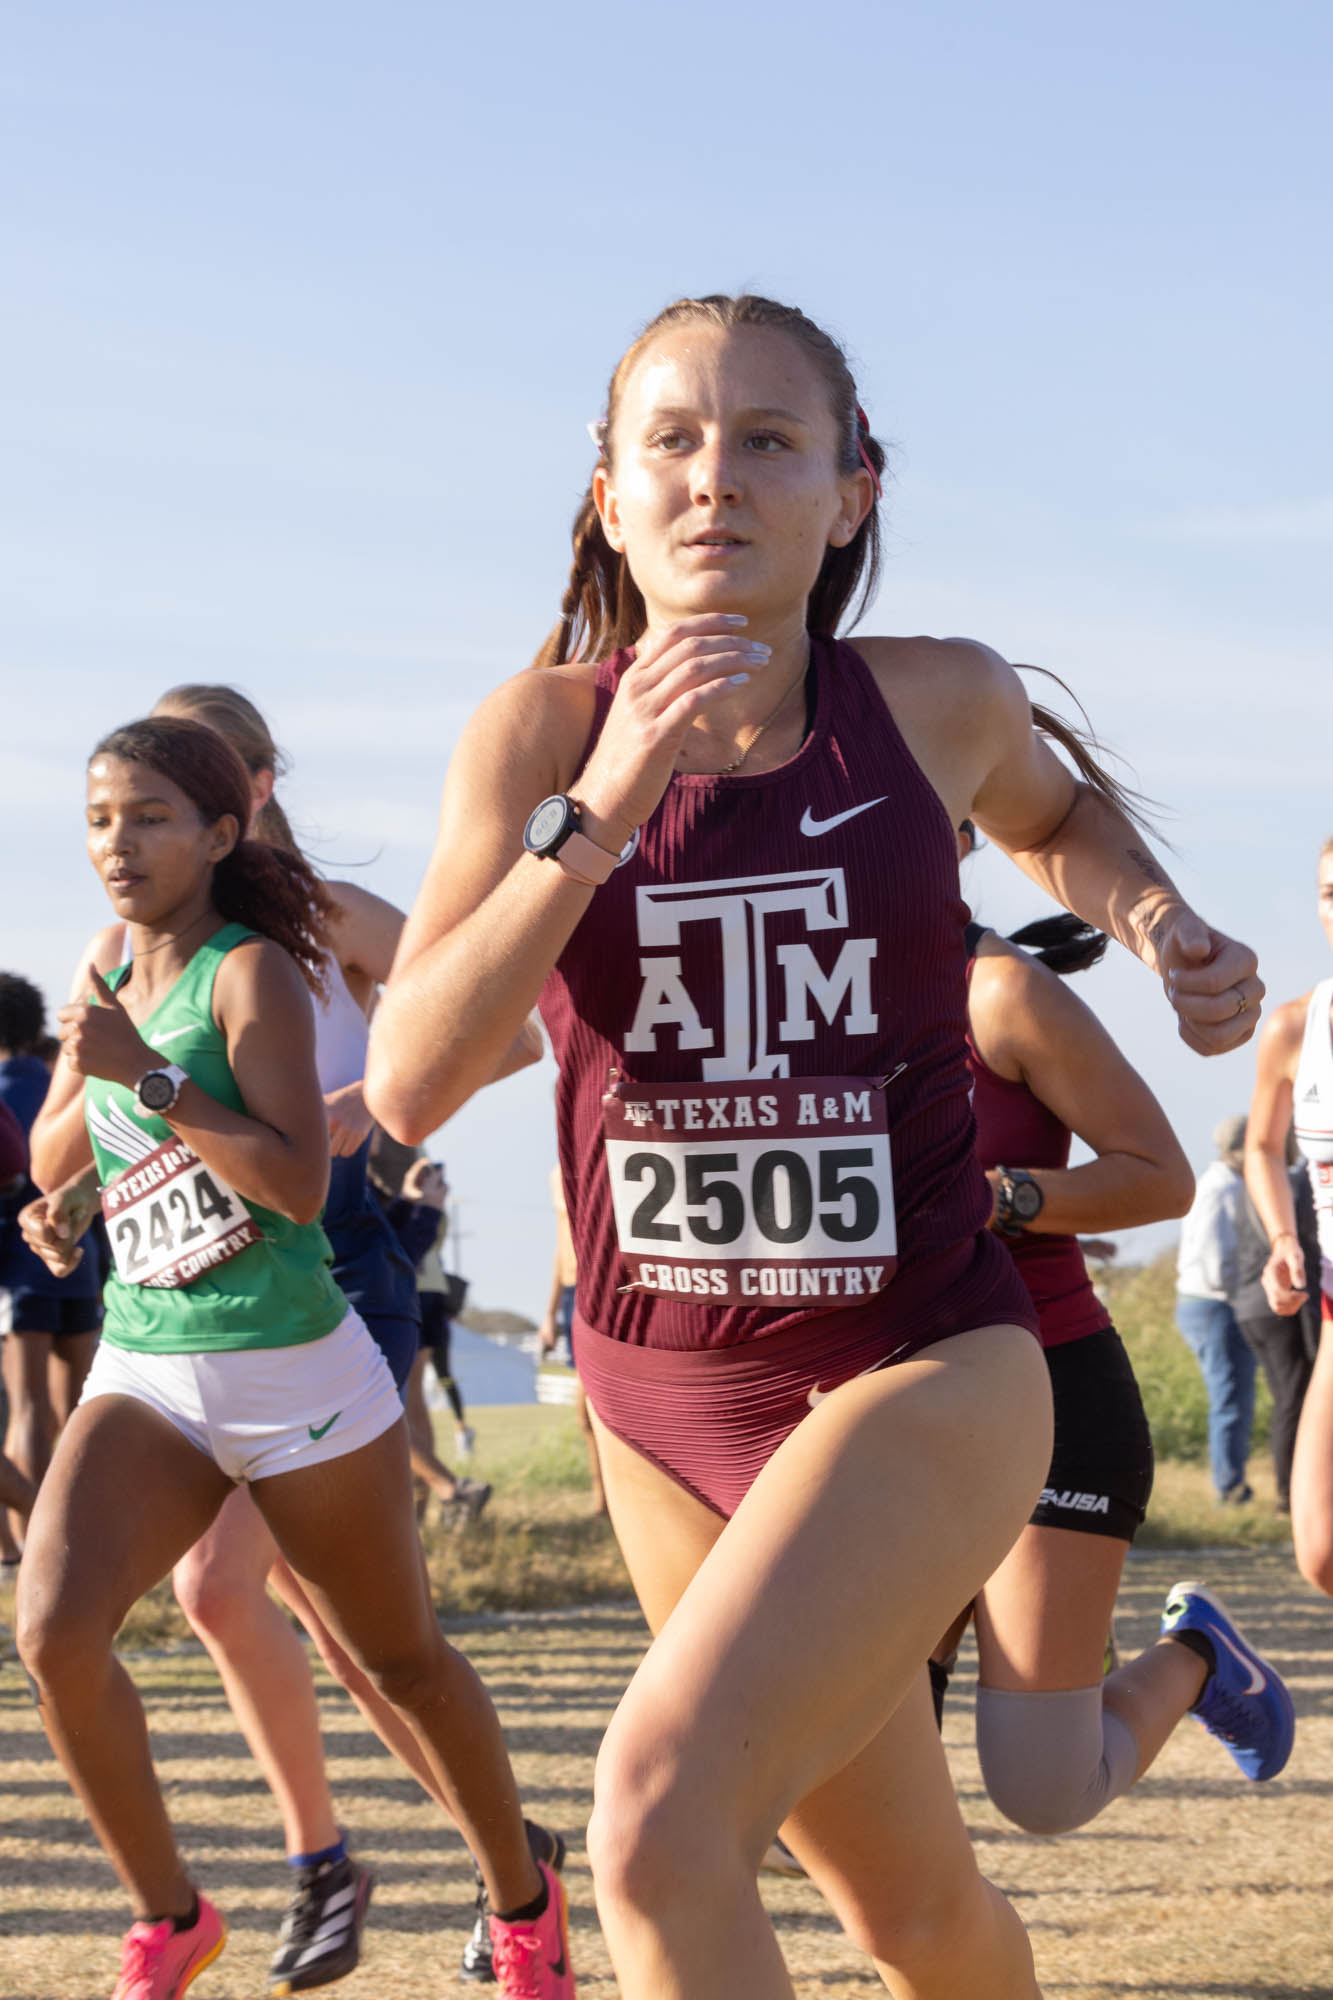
pixel 1052 1762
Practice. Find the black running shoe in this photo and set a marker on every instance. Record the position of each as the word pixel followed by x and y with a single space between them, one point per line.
pixel 477 1962
pixel 321 1932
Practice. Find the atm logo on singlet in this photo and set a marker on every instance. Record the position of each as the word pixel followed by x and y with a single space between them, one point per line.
pixel 744 1040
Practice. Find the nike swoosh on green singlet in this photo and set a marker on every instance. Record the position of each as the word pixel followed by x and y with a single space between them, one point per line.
pixel 323 1429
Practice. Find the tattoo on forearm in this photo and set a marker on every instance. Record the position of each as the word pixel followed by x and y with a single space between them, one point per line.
pixel 1155 930
pixel 1149 865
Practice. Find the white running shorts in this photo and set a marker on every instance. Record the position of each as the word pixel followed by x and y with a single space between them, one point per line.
pixel 256 1411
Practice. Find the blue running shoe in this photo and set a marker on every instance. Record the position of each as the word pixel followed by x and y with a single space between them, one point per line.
pixel 1244 1701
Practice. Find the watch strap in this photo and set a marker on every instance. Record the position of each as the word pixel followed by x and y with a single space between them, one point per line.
pixel 1007 1219
pixel 175 1075
pixel 584 861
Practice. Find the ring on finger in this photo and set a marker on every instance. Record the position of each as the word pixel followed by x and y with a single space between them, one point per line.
pixel 1241 1002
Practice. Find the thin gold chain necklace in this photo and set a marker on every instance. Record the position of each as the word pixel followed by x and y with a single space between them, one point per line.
pixel 736 762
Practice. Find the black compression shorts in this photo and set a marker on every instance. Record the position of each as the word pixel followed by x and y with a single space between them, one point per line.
pixel 1101 1463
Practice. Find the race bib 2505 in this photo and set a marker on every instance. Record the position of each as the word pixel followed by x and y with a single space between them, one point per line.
pixel 774 1193
pixel 170 1218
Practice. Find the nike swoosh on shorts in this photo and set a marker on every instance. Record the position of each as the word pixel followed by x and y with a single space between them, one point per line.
pixel 811 826
pixel 817 1395
pixel 323 1429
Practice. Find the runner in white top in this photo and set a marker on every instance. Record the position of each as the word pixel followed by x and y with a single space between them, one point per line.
pixel 1294 1086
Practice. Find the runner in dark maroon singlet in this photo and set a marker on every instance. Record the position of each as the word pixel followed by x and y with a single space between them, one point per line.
pixel 723 859
pixel 1059 1738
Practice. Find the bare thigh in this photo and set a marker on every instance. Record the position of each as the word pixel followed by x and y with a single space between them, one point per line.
pixel 126 1494
pixel 1042 1619
pixel 27 1363
pixel 233 1557
pixel 845 1830
pixel 348 1529
pixel 71 1358
pixel 788 1637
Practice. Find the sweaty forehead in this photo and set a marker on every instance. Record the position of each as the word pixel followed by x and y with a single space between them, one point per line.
pixel 714 368
pixel 125 778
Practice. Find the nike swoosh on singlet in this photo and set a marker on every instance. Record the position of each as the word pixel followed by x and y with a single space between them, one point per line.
pixel 172 1033
pixel 323 1429
pixel 811 826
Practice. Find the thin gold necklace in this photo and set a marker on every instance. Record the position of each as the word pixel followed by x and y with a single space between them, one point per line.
pixel 736 762
pixel 148 951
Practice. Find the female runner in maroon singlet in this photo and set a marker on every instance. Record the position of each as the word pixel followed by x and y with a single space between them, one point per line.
pixel 1058 1737
pixel 747 938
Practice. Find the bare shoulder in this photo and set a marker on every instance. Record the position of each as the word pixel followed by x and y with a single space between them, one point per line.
pixel 1013 999
pixel 258 978
pixel 1004 969
pixel 1284 1030
pixel 105 950
pixel 958 705
pixel 928 675
pixel 352 901
pixel 543 710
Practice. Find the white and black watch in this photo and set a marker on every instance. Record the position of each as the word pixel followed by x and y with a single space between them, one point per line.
pixel 157 1089
pixel 552 834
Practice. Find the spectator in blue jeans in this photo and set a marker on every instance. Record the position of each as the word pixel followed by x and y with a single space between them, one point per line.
pixel 1206 1277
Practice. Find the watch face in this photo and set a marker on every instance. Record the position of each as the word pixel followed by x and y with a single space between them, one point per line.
pixel 546 824
pixel 1026 1200
pixel 156 1091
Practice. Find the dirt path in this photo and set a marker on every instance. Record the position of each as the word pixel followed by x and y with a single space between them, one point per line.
pixel 1198 1886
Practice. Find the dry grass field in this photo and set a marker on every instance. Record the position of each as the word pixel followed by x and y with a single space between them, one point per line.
pixel 1196 1887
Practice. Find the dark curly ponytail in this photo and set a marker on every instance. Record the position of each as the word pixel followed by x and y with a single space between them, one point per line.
pixel 1063 942
pixel 270 889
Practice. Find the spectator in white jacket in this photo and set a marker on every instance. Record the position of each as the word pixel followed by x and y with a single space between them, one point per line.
pixel 1206 1277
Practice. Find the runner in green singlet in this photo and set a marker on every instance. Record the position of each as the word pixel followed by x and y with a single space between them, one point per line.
pixel 229 1353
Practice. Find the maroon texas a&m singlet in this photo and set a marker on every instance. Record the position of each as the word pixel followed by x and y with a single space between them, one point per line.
pixel 760 1021
pixel 1015 1129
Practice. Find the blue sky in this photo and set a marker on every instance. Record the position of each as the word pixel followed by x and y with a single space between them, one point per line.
pixel 307 309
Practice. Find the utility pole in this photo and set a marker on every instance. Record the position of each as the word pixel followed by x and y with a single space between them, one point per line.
pixel 456 1235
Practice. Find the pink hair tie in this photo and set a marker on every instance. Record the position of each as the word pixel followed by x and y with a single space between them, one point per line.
pixel 862 433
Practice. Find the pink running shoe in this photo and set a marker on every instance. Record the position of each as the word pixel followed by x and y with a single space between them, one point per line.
pixel 157 1961
pixel 532 1960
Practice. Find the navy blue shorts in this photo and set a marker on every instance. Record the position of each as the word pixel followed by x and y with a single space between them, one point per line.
pixel 22 1311
pixel 398 1340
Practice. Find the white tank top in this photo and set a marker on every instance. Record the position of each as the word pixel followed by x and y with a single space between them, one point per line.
pixel 342 1032
pixel 1312 1112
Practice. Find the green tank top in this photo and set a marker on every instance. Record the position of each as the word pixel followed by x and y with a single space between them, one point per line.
pixel 275 1293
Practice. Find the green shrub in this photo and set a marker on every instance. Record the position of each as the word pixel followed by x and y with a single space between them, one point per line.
pixel 1141 1300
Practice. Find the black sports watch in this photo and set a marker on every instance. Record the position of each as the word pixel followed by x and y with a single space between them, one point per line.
pixel 553 834
pixel 1018 1201
pixel 158 1089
